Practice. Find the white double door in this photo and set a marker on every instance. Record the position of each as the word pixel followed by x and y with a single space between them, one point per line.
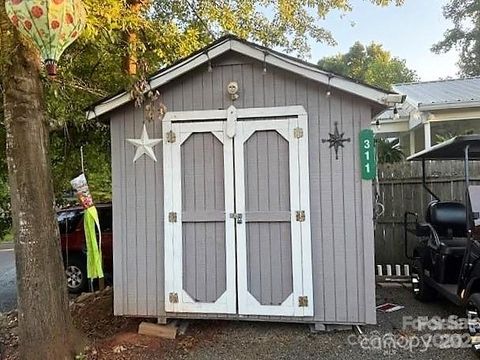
pixel 237 230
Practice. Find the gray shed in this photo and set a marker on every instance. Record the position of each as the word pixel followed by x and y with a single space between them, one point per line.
pixel 247 212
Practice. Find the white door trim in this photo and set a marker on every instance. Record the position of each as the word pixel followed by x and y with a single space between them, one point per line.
pixel 209 115
pixel 201 121
pixel 305 228
pixel 226 303
pixel 299 190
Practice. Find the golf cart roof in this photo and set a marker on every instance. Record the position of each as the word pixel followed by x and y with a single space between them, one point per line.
pixel 453 149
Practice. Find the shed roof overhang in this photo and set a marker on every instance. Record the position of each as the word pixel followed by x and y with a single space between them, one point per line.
pixel 453 149
pixel 260 53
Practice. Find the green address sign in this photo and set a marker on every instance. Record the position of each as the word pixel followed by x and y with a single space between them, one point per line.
pixel 368 161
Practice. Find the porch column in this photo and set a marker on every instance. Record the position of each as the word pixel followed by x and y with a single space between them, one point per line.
pixel 412 141
pixel 428 135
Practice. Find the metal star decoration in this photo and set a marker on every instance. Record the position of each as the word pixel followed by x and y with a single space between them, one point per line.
pixel 336 140
pixel 144 145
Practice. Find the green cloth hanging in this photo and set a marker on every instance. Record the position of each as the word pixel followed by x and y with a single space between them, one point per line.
pixel 94 252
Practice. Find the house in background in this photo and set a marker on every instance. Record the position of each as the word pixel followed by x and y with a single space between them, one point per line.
pixel 433 112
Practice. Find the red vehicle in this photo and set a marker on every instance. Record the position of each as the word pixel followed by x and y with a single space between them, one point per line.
pixel 74 250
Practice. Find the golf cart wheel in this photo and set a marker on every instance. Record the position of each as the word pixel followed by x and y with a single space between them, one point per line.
pixel 474 326
pixel 76 273
pixel 421 290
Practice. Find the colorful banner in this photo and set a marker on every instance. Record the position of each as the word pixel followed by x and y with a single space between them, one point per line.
pixel 90 224
pixel 94 252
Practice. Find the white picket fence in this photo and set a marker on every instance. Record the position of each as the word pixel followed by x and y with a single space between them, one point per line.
pixel 393 270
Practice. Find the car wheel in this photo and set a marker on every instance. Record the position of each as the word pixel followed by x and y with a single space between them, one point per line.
pixel 474 326
pixel 421 290
pixel 76 273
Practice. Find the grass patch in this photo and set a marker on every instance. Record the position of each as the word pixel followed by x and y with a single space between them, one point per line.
pixel 7 238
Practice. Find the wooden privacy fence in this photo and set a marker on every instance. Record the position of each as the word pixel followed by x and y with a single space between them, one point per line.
pixel 400 190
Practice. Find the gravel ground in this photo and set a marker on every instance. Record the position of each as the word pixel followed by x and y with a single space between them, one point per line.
pixel 116 338
pixel 249 340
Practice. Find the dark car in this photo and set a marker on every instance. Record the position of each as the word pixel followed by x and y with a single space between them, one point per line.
pixel 74 251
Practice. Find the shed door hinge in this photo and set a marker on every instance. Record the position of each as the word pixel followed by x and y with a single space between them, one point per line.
pixel 173 298
pixel 298 133
pixel 171 137
pixel 300 216
pixel 172 217
pixel 303 301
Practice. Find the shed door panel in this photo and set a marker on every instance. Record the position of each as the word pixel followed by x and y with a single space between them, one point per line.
pixel 267 217
pixel 203 217
pixel 200 259
pixel 273 248
pixel 235 245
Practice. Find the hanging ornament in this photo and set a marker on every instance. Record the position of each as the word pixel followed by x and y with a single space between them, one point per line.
pixel 91 226
pixel 52 25
pixel 144 145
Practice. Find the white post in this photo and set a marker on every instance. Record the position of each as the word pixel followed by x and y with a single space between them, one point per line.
pixel 406 269
pixel 398 271
pixel 379 270
pixel 412 141
pixel 389 270
pixel 428 135
pixel 81 159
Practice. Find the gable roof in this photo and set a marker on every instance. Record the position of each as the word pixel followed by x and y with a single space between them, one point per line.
pixel 260 53
pixel 442 94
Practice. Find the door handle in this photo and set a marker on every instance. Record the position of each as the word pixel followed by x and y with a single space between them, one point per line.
pixel 238 217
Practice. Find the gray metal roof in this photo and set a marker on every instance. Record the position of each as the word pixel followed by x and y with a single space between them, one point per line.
pixel 441 92
pixel 453 149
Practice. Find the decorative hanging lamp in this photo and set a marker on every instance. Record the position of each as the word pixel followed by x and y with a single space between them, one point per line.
pixel 52 25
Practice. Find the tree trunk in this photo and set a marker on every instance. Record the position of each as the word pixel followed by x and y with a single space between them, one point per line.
pixel 45 323
pixel 130 61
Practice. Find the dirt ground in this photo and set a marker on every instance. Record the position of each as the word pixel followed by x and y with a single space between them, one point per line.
pixel 116 338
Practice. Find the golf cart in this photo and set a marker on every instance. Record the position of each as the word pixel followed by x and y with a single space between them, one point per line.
pixel 447 252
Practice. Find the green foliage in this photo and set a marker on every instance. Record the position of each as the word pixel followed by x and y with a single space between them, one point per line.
pixel 66 159
pixel 464 36
pixel 370 64
pixel 389 152
pixel 287 24
pixel 5 219
pixel 165 31
pixel 5 215
pixel 439 138
pixel 8 237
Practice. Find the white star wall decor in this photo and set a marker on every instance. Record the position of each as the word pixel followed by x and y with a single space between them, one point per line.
pixel 144 145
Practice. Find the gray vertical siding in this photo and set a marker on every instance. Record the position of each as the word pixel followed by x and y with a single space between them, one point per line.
pixel 267 206
pixel 118 177
pixel 341 213
pixel 137 219
pixel 203 219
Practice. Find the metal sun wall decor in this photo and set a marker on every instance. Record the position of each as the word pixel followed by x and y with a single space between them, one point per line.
pixel 52 25
pixel 336 140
